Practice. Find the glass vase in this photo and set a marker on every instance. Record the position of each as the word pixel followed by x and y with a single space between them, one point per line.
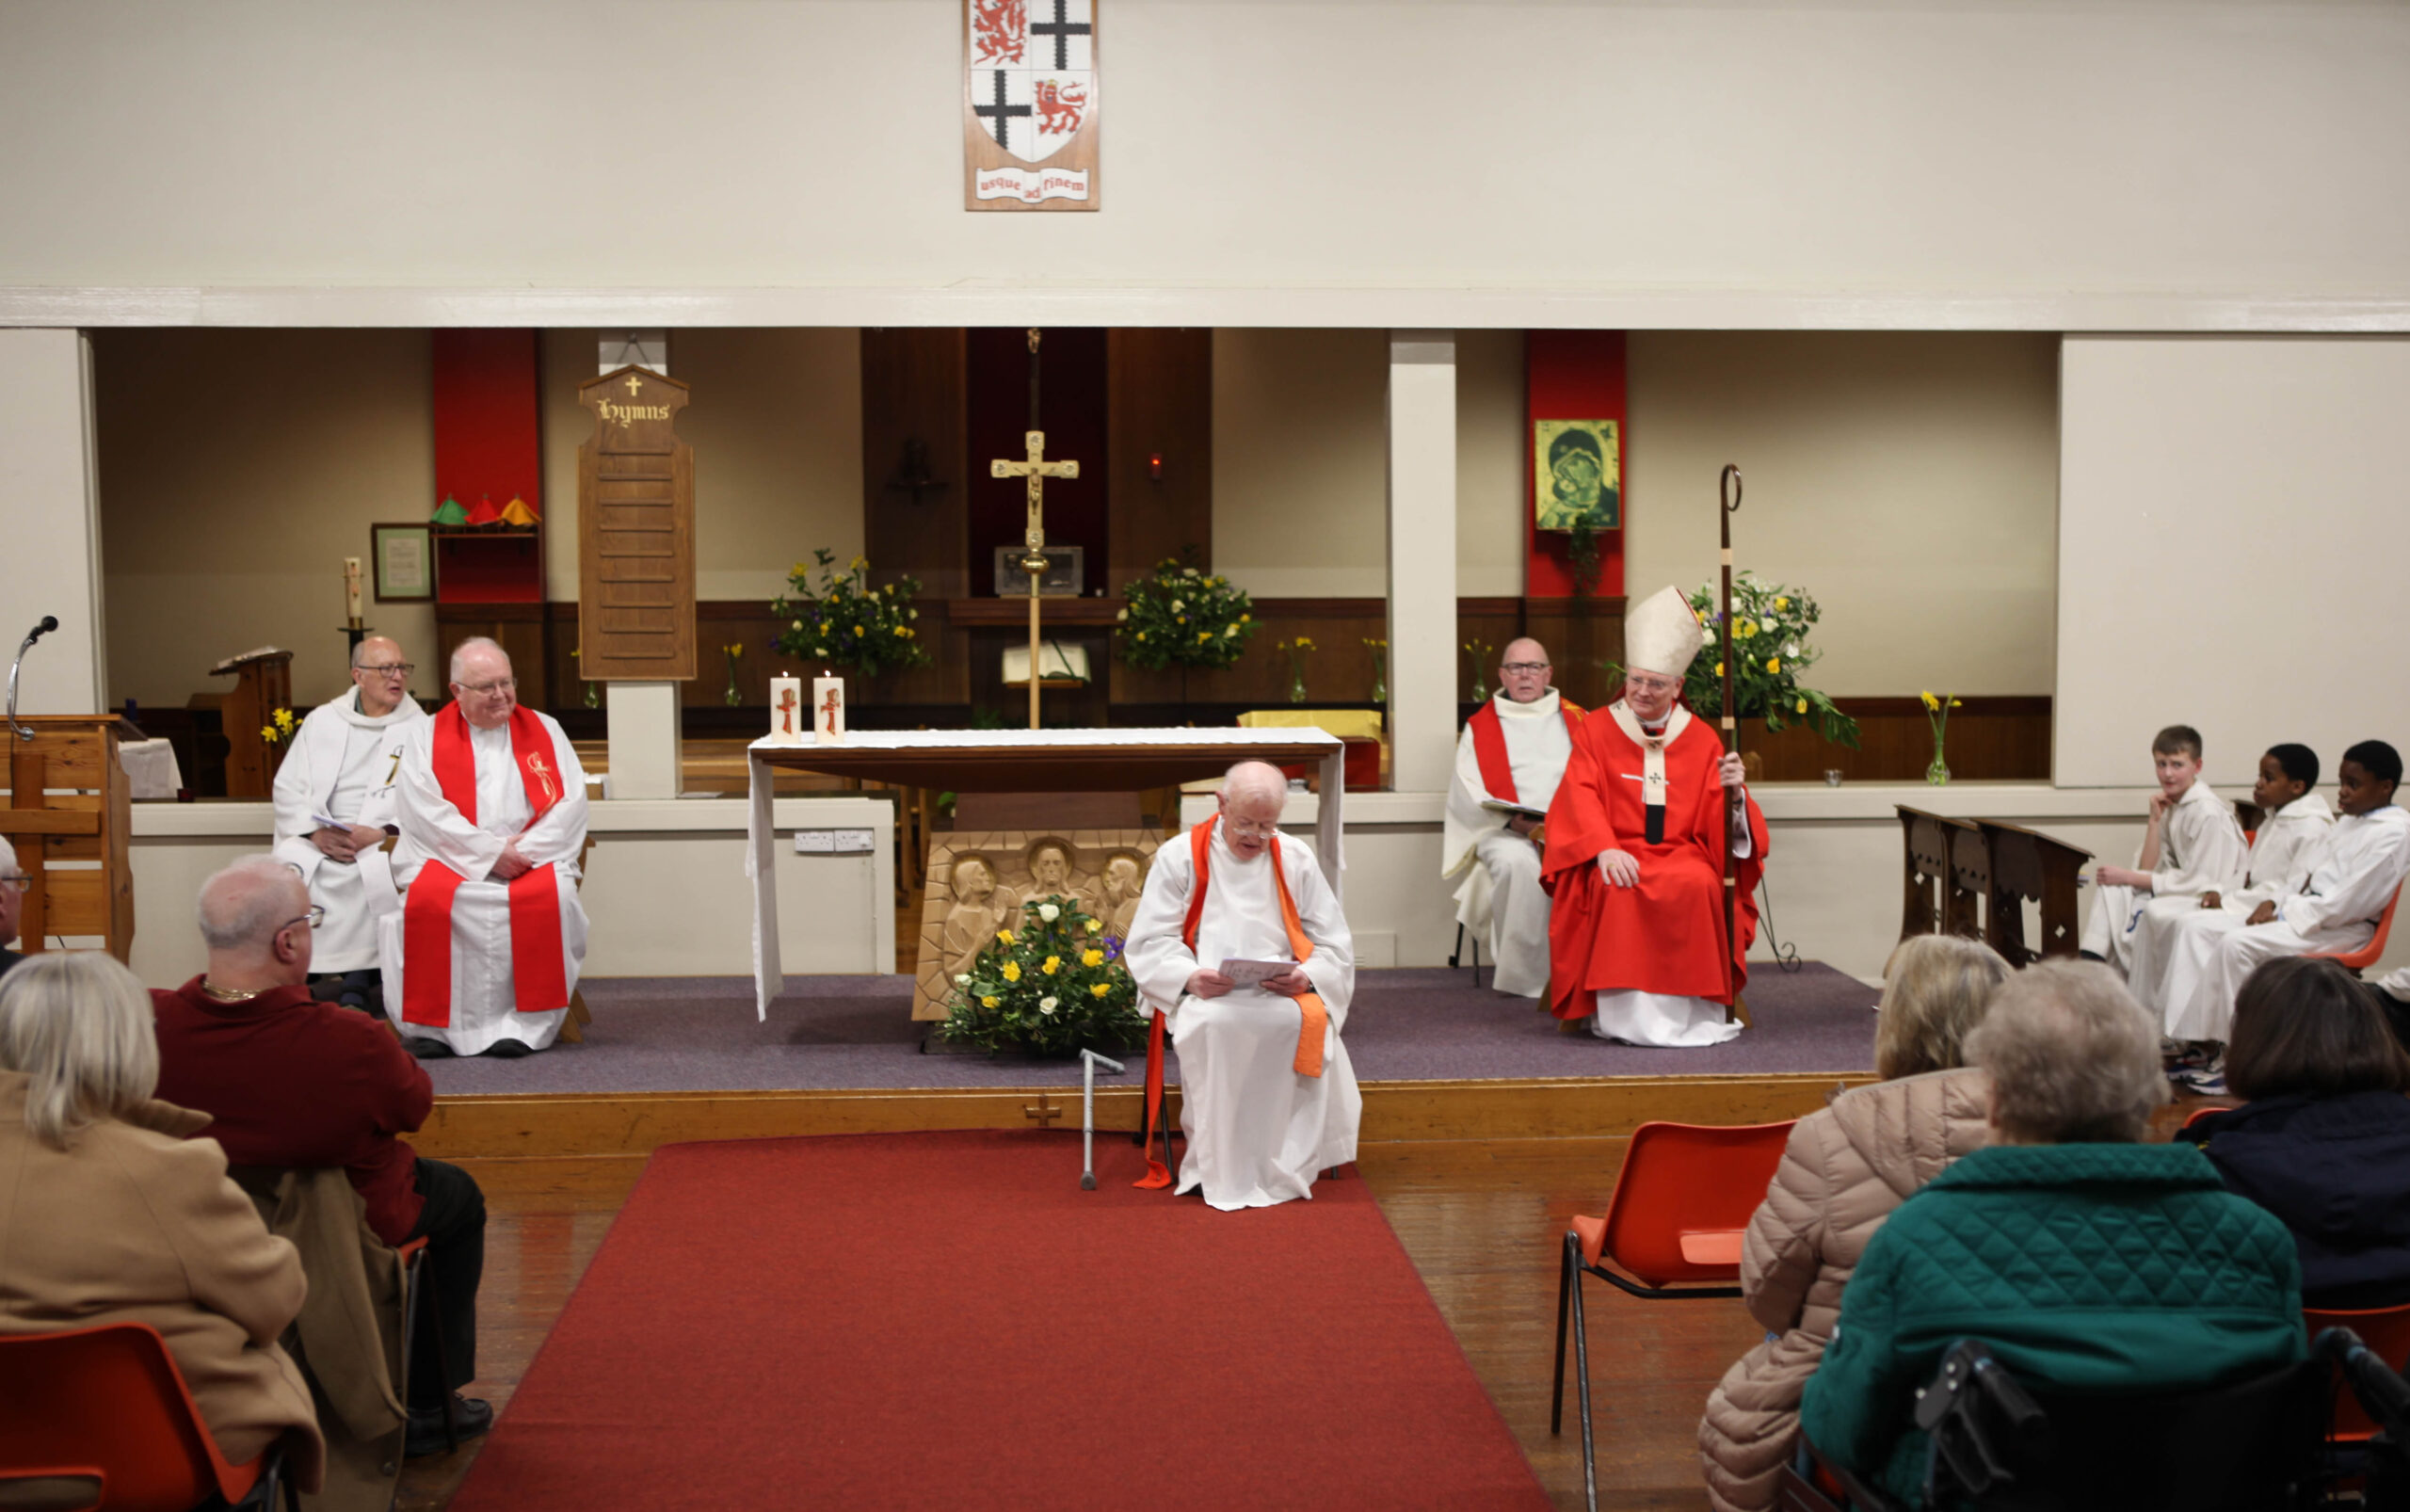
pixel 1296 682
pixel 594 695
pixel 1938 772
pixel 732 697
pixel 1380 677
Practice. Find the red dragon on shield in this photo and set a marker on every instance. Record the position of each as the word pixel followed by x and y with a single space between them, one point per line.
pixel 998 30
pixel 1060 106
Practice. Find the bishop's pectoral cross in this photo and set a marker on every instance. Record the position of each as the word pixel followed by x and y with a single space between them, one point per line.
pixel 1036 469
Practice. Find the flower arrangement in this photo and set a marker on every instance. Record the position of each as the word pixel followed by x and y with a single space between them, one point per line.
pixel 1180 615
pixel 843 621
pixel 1770 628
pixel 1054 985
pixel 734 696
pixel 1479 650
pixel 278 729
pixel 1380 650
pixel 1296 651
pixel 1937 714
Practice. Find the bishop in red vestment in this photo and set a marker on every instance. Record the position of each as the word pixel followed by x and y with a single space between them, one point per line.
pixel 1636 941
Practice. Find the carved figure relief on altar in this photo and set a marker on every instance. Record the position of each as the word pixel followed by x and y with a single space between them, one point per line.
pixel 978 881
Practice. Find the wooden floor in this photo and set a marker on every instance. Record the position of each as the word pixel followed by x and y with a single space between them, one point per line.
pixel 1479 1219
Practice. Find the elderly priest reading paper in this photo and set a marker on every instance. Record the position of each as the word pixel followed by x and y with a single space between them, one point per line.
pixel 334 798
pixel 494 814
pixel 1636 937
pixel 1508 761
pixel 1267 1097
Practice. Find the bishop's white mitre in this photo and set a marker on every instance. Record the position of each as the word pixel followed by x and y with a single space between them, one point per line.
pixel 1661 635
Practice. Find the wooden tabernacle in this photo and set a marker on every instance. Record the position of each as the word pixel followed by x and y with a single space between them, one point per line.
pixel 69 802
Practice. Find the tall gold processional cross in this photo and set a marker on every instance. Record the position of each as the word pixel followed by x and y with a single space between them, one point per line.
pixel 1036 469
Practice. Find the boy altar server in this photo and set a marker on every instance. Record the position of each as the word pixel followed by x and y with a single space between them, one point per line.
pixel 2353 871
pixel 486 952
pixel 2293 819
pixel 2193 846
pixel 1512 751
pixel 1636 941
pixel 1267 1097
pixel 342 767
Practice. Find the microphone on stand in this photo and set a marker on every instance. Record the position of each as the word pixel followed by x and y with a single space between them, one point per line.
pixel 49 622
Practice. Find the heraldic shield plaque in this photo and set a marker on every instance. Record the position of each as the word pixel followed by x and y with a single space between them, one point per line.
pixel 1029 104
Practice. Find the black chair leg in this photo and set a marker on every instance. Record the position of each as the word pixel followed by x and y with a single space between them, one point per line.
pixel 417 1278
pixel 1565 1284
pixel 1581 1365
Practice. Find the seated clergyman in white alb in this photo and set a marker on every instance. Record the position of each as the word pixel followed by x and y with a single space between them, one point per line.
pixel 1267 1097
pixel 340 768
pixel 1509 760
pixel 2293 819
pixel 2192 844
pixel 492 811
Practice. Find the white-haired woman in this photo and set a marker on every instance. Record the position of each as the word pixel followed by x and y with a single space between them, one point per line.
pixel 2091 1262
pixel 1843 1171
pixel 111 1214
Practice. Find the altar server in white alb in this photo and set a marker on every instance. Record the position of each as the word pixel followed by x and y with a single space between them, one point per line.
pixel 2353 871
pixel 2292 820
pixel 340 768
pixel 492 809
pixel 2193 846
pixel 1509 760
pixel 1267 1097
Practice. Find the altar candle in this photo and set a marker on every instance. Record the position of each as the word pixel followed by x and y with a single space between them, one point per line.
pixel 829 709
pixel 351 587
pixel 787 711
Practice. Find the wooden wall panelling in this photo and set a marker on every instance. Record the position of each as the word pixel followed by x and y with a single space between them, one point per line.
pixel 525 633
pixel 1990 740
pixel 1582 636
pixel 915 492
pixel 1159 387
pixel 636 514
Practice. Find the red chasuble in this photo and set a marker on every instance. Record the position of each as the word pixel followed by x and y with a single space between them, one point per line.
pixel 538 979
pixel 1489 746
pixel 1665 935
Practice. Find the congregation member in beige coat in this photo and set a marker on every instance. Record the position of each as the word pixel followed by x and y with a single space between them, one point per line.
pixel 1843 1171
pixel 111 1214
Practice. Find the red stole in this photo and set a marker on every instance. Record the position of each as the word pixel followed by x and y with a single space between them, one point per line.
pixel 1489 745
pixel 539 981
pixel 1316 1016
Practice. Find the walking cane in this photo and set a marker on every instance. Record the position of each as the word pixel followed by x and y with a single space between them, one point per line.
pixel 1089 1061
pixel 1728 489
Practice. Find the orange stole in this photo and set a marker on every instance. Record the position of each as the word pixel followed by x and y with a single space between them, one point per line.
pixel 1316 1016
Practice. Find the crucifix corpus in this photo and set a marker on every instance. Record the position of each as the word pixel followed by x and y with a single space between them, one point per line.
pixel 1036 469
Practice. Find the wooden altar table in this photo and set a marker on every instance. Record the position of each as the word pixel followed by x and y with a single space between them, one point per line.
pixel 1022 761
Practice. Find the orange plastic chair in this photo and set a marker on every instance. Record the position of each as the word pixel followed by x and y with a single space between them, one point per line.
pixel 1672 1230
pixel 2386 1332
pixel 2367 956
pixel 108 1406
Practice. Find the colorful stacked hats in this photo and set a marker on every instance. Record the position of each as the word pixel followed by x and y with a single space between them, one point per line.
pixel 485 513
pixel 517 512
pixel 450 513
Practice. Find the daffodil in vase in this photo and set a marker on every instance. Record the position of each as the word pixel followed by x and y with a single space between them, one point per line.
pixel 1937 712
pixel 1296 651
pixel 734 695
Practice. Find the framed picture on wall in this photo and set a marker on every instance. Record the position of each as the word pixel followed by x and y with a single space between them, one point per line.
pixel 405 560
pixel 1577 473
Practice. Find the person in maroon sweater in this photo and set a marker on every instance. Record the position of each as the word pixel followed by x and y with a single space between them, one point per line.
pixel 289 1081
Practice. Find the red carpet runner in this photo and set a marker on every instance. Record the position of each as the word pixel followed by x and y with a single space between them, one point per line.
pixel 947 1319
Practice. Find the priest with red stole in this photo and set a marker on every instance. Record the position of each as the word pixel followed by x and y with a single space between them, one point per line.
pixel 1509 759
pixel 486 951
pixel 1636 939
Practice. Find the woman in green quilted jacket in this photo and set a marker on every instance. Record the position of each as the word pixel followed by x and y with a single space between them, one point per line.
pixel 2085 1259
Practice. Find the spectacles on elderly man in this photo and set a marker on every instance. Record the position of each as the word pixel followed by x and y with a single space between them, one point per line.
pixel 1248 829
pixel 316 916
pixel 1522 667
pixel 19 881
pixel 500 684
pixel 388 669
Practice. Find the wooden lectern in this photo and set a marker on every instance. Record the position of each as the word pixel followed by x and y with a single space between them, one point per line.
pixel 1944 871
pixel 70 801
pixel 2027 863
pixel 263 684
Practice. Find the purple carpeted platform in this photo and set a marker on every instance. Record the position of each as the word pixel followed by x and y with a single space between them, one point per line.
pixel 698 1034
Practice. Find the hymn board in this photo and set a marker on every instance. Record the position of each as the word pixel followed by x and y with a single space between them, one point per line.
pixel 636 532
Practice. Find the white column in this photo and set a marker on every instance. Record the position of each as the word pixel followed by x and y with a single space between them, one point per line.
pixel 49 548
pixel 644 740
pixel 1423 559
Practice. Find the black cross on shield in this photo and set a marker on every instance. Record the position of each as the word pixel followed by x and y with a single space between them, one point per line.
pixel 998 115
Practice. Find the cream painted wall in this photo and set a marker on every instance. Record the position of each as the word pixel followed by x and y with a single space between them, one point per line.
pixel 50 564
pixel 1490 414
pixel 2232 526
pixel 1908 479
pixel 1301 462
pixel 776 426
pixel 1973 154
pixel 237 470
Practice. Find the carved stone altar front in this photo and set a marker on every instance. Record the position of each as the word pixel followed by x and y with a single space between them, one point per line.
pixel 978 880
